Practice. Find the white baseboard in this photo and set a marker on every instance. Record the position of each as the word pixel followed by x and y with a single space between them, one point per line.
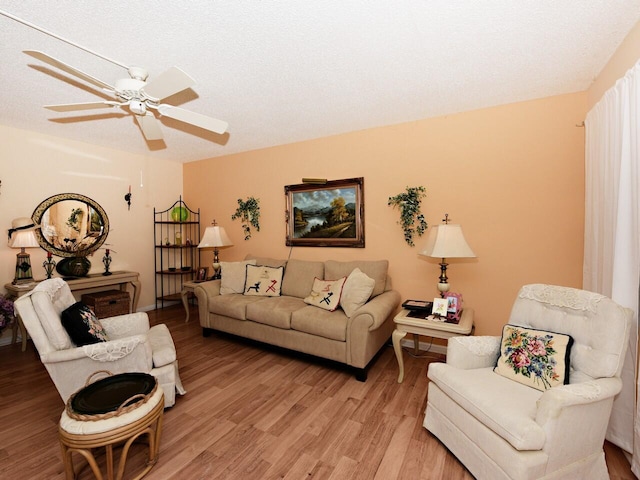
pixel 425 347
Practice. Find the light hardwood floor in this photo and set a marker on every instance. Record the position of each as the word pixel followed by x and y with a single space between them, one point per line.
pixel 250 413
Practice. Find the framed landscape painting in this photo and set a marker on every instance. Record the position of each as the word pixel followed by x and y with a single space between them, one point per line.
pixel 330 214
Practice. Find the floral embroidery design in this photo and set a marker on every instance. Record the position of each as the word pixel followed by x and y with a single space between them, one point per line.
pixel 93 324
pixel 531 355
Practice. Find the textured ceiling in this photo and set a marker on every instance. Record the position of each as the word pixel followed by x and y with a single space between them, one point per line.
pixel 291 70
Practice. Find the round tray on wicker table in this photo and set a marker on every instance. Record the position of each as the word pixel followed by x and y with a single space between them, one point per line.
pixel 111 396
pixel 112 411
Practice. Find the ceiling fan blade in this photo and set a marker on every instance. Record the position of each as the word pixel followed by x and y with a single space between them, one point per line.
pixel 68 68
pixel 71 107
pixel 167 83
pixel 150 126
pixel 193 118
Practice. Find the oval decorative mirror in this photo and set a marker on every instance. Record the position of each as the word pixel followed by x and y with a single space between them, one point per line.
pixel 71 225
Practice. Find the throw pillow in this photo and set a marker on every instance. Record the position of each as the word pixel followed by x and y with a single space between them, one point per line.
pixel 82 325
pixel 356 292
pixel 326 293
pixel 535 358
pixel 263 281
pixel 233 275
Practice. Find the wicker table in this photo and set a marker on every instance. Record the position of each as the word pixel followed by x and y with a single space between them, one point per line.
pixel 81 434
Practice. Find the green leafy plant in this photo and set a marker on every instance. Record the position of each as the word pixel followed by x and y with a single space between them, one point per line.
pixel 249 213
pixel 411 219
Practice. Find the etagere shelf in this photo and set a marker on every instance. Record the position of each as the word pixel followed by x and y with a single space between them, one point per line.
pixel 176 235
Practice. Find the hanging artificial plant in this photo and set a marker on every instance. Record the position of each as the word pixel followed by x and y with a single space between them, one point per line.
pixel 411 219
pixel 249 213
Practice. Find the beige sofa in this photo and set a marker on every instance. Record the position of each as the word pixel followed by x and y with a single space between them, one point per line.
pixel 287 321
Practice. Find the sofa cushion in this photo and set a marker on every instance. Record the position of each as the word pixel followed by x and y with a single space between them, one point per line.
pixel 326 293
pixel 299 276
pixel 535 358
pixel 319 322
pixel 376 269
pixel 234 306
pixel 274 311
pixel 233 275
pixel 506 407
pixel 82 325
pixel 357 290
pixel 263 281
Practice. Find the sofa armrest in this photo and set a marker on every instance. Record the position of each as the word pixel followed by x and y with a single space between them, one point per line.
pixel 211 288
pixel 473 352
pixel 377 310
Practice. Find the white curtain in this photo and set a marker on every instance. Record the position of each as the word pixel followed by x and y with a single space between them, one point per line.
pixel 612 232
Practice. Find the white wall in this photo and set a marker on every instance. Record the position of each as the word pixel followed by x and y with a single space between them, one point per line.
pixel 34 167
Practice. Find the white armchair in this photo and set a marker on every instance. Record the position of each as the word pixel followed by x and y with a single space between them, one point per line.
pixel 132 345
pixel 501 429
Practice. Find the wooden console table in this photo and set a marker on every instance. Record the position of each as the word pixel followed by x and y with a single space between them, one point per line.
pixel 121 279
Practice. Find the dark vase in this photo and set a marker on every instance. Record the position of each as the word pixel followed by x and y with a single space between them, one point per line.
pixel 74 267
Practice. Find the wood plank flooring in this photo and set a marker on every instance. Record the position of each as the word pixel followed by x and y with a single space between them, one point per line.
pixel 250 413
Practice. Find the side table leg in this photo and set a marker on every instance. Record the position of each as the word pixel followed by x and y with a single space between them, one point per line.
pixel 396 338
pixel 185 302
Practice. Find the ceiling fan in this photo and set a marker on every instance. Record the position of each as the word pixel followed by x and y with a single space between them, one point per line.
pixel 134 94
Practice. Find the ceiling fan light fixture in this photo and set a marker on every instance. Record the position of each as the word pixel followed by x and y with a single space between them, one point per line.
pixel 138 107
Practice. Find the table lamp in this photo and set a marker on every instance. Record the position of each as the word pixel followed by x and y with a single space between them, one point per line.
pixel 446 241
pixel 215 237
pixel 21 235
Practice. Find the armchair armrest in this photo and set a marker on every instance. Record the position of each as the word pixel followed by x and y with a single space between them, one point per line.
pixel 102 351
pixel 554 400
pixel 122 326
pixel 575 417
pixel 473 352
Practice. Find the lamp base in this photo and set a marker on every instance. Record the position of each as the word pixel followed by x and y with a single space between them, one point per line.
pixel 23 269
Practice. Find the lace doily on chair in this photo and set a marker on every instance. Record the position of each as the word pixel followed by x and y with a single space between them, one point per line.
pixel 110 351
pixel 563 297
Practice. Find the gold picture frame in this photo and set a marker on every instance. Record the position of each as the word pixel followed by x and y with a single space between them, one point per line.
pixel 330 214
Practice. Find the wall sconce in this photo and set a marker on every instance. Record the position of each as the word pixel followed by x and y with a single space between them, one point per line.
pixel 446 241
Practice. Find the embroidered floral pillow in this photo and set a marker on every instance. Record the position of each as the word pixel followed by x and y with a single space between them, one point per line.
pixel 535 358
pixel 82 325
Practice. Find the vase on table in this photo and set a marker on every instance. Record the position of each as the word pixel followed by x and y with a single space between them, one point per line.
pixel 74 266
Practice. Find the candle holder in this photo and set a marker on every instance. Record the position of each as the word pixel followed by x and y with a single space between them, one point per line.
pixel 49 265
pixel 106 260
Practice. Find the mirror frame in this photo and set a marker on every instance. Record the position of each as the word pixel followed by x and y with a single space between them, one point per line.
pixel 38 213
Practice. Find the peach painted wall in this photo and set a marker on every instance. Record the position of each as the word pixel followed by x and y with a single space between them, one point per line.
pixel 512 176
pixel 625 57
pixel 36 166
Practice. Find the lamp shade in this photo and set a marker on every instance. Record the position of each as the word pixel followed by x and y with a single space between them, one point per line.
pixel 447 241
pixel 215 237
pixel 24 239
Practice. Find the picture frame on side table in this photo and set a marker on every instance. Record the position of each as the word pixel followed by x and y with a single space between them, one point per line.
pixel 440 307
pixel 454 305
pixel 201 275
pixel 329 214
